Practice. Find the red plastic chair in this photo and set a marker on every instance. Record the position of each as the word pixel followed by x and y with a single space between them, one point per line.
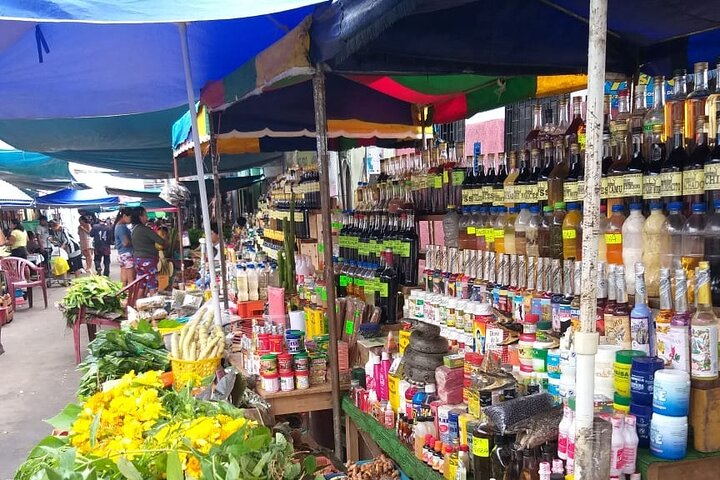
pixel 92 322
pixel 20 273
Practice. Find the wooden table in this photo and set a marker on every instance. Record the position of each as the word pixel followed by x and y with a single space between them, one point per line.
pixel 696 466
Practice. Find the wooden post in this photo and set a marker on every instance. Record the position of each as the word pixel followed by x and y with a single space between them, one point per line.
pixel 180 222
pixel 591 463
pixel 215 159
pixel 329 274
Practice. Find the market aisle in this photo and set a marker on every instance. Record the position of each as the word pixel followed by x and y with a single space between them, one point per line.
pixel 37 377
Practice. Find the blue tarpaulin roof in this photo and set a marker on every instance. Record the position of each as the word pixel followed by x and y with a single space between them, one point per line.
pixel 34 170
pixel 13 197
pixel 69 198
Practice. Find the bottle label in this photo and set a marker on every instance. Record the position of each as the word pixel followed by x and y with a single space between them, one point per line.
pixel 445 177
pixel 640 332
pixel 604 188
pixel 466 194
pixel 581 190
pixel 521 193
pixel 542 191
pixel 437 181
pixel 615 187
pixel 498 196
pixel 613 238
pixel 652 187
pixel 633 185
pixel 570 191
pixel 617 330
pixel 569 233
pixel 458 177
pixel 383 288
pixel 403 249
pixel 344 280
pixel 704 351
pixel 671 184
pixel 481 447
pixel 693 182
pixel 509 194
pixel 712 176
pixel 532 193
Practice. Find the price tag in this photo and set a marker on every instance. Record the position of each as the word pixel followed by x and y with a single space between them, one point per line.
pixel 569 233
pixel 349 327
pixel 384 293
pixel 613 238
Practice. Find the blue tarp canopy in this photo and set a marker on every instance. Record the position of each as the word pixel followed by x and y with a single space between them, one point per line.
pixel 511 37
pixel 13 197
pixel 69 198
pixel 101 83
pixel 34 171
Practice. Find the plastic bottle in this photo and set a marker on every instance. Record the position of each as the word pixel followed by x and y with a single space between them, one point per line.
pixel 630 448
pixel 531 232
pixel 451 222
pixel 652 238
pixel 640 316
pixel 618 446
pixel 263 281
pixel 556 231
pixel 377 375
pixel 241 277
pixel 417 403
pixel 509 231
pixel 384 369
pixel 464 228
pixel 572 232
pixel 521 226
pixel 570 462
pixel 430 397
pixel 544 232
pixel 712 251
pixel 253 283
pixel 564 432
pixel 704 330
pixel 602 229
pixel 671 247
pixel 499 230
pixel 632 243
pixel 613 236
pixel 693 245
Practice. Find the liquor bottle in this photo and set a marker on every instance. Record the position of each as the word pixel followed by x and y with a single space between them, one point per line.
pixel 703 330
pixel 565 304
pixel 556 231
pixel 457 177
pixel 617 170
pixel 490 177
pixel 712 166
pixel 468 185
pixel 675 106
pixel 671 247
pixel 563 123
pixel 671 169
pixel 693 245
pixel 558 174
pixel 680 324
pixel 548 164
pixel 543 237
pixel 509 231
pixel 655 115
pixel 532 140
pixel 409 253
pixel 388 288
pixel 499 229
pixel 613 236
pixel 530 466
pixel 510 192
pixel 570 186
pixel 603 223
pixel 694 172
pixel 500 177
pixel 652 238
pixel 711 105
pixel 695 103
pixel 640 316
pixel 652 185
pixel 633 178
pixel 607 160
pixel 632 242
pixel 621 313
pixel 572 232
pixel 663 319
pixel 524 178
pixel 521 225
pixel 535 171
pixel 576 130
pixel 712 252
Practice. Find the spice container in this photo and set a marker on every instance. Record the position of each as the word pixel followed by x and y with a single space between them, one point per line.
pixel 302 362
pixel 271 383
pixel 285 363
pixel 293 342
pixel 302 380
pixel 287 382
pixel 623 363
pixel 268 364
pixel 276 343
pixel 263 342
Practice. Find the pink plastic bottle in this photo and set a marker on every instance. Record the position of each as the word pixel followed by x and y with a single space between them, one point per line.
pixel 384 369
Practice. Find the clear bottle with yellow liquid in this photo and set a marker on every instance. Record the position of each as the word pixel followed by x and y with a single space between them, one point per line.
pixel 572 232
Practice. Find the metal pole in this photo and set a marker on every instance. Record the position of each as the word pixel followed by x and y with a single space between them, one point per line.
pixel 329 274
pixel 591 463
pixel 215 158
pixel 181 249
pixel 182 28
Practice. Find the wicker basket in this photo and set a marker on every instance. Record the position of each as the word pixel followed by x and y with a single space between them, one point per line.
pixel 192 371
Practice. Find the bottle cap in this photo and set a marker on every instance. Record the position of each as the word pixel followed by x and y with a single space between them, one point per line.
pixel 636 206
pixel 464 448
pixel 675 206
pixel 620 400
pixel 536 208
pixel 655 205
pixel 547 208
pixel 618 208
pixel 559 205
pixel 502 209
pixel 523 205
pixel 573 206
pixel 698 208
pixel 514 209
pixel 430 388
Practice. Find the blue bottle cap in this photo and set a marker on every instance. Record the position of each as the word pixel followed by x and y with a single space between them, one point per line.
pixel 655 205
pixel 617 208
pixel 636 206
pixel 536 208
pixel 699 208
pixel 573 206
pixel 523 206
pixel 675 206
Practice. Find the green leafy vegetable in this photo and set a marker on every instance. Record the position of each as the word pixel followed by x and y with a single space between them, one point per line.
pixel 98 294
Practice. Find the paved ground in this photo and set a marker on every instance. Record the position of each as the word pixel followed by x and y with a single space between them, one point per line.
pixel 37 378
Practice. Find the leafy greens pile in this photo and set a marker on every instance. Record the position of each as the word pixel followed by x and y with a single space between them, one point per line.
pixel 115 352
pixel 98 294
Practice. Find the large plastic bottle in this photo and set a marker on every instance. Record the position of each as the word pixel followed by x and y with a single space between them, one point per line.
pixel 613 236
pixel 671 246
pixel 509 231
pixel 241 278
pixel 556 227
pixel 499 229
pixel 572 232
pixel 630 448
pixel 603 223
pixel 632 246
pixel 693 245
pixel 617 446
pixel 652 238
pixel 253 281
pixel 521 225
pixel 451 222
pixel 531 232
pixel 712 251
pixel 464 228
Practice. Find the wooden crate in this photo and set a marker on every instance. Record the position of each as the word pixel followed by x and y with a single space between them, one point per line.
pixel 704 418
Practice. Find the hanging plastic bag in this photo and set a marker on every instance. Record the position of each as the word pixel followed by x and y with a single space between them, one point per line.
pixel 175 193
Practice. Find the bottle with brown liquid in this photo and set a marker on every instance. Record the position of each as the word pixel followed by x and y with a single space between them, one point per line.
pixel 693 174
pixel 558 174
pixel 671 169
pixel 617 170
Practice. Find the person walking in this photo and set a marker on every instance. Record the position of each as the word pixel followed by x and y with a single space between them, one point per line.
pixel 123 244
pixel 86 246
pixel 146 253
pixel 17 240
pixel 102 240
pixel 68 243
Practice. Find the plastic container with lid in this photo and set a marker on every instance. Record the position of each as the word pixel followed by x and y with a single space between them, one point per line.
pixel 530 323
pixel 623 363
pixel 301 362
pixel 525 351
pixel 621 404
pixel 668 436
pixel 605 370
pixel 302 380
pixel 643 416
pixel 540 353
pixel 285 363
pixel 271 383
pixel 268 364
pixel 287 382
pixel 553 364
pixel 642 373
pixel 671 393
pixel 632 246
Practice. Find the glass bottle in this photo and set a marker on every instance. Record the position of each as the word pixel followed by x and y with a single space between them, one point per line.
pixel 500 177
pixel 530 466
pixel 572 233
pixel 535 171
pixel 510 190
pixel 531 233
pixel 693 245
pixel 500 457
pixel 680 324
pixel 703 330
pixel 652 239
pixel 655 115
pixel 490 177
pixel 695 103
pixel 652 185
pixel 468 185
pixel 613 236
pixel 675 105
pixel 522 184
pixel 544 232
pixel 633 177
pixel 521 225
pixel 556 231
pixel 671 170
pixel 576 130
pixel 570 186
pixel 602 297
pixel 712 165
pixel 693 174
pixel 711 105
pixel 388 288
pixel 712 252
pixel 671 247
pixel 632 243
pixel 617 170
pixel 547 167
pixel 516 464
pixel 558 174
pixel 532 139
pixel 509 231
pixel 482 447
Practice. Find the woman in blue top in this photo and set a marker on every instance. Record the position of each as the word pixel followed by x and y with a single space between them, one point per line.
pixel 123 244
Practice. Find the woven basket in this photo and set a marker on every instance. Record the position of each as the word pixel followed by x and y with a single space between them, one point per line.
pixel 192 371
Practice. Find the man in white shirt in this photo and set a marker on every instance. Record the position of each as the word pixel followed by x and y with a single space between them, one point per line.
pixel 43 232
